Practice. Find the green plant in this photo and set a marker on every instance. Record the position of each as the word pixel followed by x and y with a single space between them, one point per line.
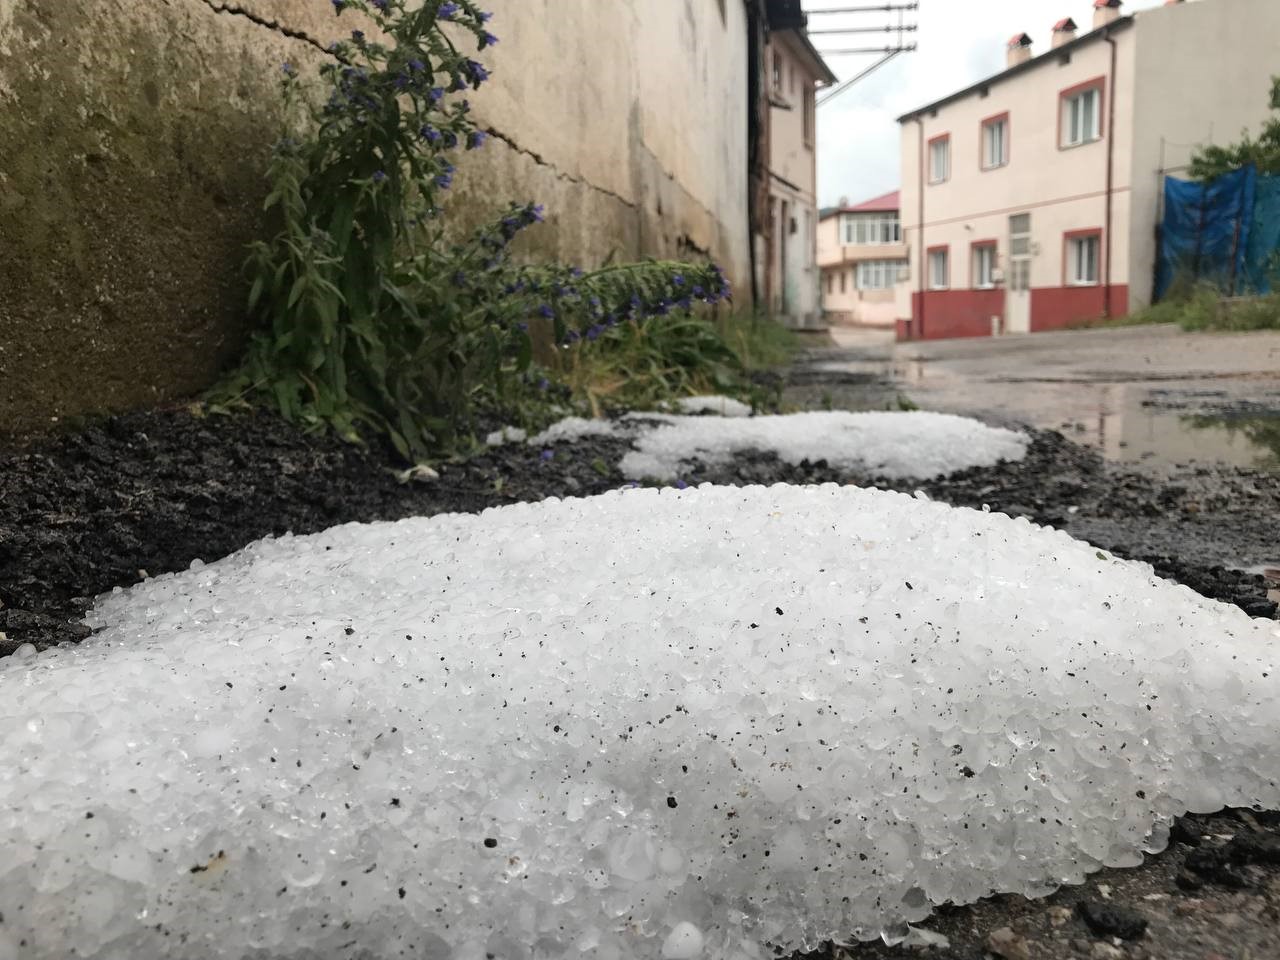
pixel 1264 152
pixel 368 317
pixel 1202 307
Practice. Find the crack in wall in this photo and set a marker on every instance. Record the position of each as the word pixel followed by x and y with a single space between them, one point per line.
pixel 542 161
pixel 217 6
pixel 278 27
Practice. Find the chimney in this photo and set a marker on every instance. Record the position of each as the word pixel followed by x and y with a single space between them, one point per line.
pixel 1105 11
pixel 1019 49
pixel 844 202
pixel 1064 31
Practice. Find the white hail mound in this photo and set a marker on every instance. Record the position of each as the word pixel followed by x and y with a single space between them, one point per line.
pixel 724 406
pixel 916 444
pixel 648 724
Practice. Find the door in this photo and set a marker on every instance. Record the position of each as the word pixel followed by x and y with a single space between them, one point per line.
pixel 1017 288
pixel 784 259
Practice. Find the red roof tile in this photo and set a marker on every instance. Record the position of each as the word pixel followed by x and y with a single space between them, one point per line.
pixel 886 204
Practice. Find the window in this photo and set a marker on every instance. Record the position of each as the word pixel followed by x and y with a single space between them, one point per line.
pixel 831 283
pixel 939 269
pixel 1081 116
pixel 1082 259
pixel 808 116
pixel 939 159
pixel 777 73
pixel 872 228
pixel 995 142
pixel 878 274
pixel 984 266
pixel 844 280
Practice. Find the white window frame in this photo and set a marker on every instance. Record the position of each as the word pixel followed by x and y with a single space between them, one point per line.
pixel 940 269
pixel 940 160
pixel 991 160
pixel 1084 257
pixel 984 266
pixel 878 274
pixel 871 229
pixel 1078 128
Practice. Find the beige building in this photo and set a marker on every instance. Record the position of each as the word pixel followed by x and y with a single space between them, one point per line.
pixel 794 73
pixel 1031 200
pixel 862 259
pixel 134 137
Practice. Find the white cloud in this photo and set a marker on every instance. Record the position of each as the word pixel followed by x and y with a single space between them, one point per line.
pixel 961 41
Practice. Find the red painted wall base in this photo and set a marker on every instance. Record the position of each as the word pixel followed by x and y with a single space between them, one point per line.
pixel 947 314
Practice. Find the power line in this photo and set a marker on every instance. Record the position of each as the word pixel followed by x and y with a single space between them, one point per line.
pixel 891 28
pixel 881 8
pixel 836 91
pixel 908 48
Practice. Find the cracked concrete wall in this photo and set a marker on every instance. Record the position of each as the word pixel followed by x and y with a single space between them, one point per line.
pixel 134 135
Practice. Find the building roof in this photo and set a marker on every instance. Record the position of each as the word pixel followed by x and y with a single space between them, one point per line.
pixel 889 203
pixel 1093 36
pixel 787 16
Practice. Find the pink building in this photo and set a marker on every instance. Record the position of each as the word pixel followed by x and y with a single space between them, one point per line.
pixel 1030 200
pixel 862 259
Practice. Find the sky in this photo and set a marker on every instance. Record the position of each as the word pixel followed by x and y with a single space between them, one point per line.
pixel 961 42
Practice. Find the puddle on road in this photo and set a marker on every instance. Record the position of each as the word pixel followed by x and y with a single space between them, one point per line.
pixel 1151 435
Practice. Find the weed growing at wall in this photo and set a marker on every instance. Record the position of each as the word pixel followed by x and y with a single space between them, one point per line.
pixel 369 318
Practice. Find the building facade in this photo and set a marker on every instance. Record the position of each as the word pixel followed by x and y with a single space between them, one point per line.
pixel 862 259
pixel 1031 200
pixel 794 74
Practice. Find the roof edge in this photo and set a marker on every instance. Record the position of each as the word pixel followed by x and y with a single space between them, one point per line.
pixel 1100 33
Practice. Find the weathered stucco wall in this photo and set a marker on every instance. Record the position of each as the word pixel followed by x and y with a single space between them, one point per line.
pixel 134 135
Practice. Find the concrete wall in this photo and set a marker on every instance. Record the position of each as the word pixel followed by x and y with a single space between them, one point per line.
pixel 1205 72
pixel 134 136
pixel 1064 190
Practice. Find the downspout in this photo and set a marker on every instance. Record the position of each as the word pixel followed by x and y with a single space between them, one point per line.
pixel 921 258
pixel 1111 165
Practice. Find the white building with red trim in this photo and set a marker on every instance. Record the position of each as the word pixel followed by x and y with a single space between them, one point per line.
pixel 1030 201
pixel 862 259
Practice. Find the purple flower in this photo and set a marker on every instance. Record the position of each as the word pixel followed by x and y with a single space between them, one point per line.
pixel 288 69
pixel 487 40
pixel 447 10
pixel 416 64
pixel 476 140
pixel 678 280
pixel 380 4
pixel 544 383
pixel 547 455
pixel 444 180
pixel 379 176
pixel 546 311
pixel 594 332
pixel 429 133
pixel 475 72
pixel 522 327
pixel 339 5
pixel 539 213
pixel 681 485
pixel 357 36
pixel 450 139
pixel 485 16
pixel 435 94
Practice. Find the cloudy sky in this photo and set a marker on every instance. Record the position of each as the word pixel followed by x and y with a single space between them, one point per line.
pixel 961 41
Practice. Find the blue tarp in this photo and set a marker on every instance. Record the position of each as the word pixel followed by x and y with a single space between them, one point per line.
pixel 1208 232
pixel 1263 254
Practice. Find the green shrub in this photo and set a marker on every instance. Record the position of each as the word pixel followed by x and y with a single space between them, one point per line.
pixel 368 318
